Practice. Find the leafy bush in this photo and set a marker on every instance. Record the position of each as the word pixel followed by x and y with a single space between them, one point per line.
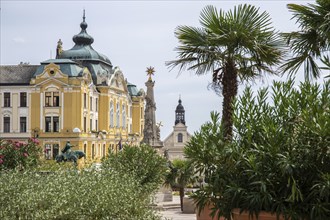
pixel 142 162
pixel 72 195
pixel 279 159
pixel 19 155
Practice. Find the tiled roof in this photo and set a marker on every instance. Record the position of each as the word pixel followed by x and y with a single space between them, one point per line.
pixel 16 74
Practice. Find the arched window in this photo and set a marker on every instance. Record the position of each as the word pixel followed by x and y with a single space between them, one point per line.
pixel 180 138
pixel 111 114
pixel 117 115
pixel 124 116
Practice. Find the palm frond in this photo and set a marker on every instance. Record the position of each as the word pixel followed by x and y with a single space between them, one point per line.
pixel 313 40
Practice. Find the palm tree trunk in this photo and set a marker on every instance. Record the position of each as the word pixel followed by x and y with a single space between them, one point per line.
pixel 181 197
pixel 229 92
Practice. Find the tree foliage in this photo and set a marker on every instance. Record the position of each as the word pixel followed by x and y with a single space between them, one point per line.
pixel 142 161
pixel 312 42
pixel 279 159
pixel 239 44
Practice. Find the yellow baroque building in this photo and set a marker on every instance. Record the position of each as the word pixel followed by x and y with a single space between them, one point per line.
pixel 77 97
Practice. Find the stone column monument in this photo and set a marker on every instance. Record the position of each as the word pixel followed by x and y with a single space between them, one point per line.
pixel 151 132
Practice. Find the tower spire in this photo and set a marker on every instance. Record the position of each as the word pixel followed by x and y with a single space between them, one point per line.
pixel 180 113
pixel 84 16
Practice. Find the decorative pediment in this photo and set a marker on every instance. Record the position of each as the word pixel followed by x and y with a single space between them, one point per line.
pixel 52 71
pixel 51 83
pixel 6 112
pixel 87 76
pixel 118 81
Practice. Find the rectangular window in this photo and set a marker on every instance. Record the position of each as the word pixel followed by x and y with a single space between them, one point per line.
pixel 6 99
pixel 91 103
pixel 96 125
pixel 23 99
pixel 85 124
pixel 96 103
pixel 48 97
pixel 91 124
pixel 56 99
pixel 48 124
pixel 56 149
pixel 85 100
pixel 6 124
pixel 56 124
pixel 22 121
pixel 48 151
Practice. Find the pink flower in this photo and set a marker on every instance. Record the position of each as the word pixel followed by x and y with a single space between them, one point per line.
pixel 35 140
pixel 1 156
pixel 1 161
pixel 25 154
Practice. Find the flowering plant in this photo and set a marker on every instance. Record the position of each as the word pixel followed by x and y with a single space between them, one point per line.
pixel 19 155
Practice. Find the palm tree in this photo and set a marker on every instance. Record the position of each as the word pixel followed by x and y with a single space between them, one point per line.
pixel 236 45
pixel 312 42
pixel 181 174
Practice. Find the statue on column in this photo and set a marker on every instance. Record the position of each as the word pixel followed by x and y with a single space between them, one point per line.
pixel 151 130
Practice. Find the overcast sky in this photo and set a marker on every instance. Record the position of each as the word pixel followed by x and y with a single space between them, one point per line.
pixel 133 35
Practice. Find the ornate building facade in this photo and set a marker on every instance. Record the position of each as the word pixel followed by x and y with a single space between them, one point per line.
pixel 175 142
pixel 77 97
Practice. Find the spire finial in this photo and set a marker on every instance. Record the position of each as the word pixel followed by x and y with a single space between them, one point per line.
pixel 84 16
pixel 150 71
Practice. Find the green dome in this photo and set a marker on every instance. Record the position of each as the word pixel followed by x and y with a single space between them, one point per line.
pixel 82 50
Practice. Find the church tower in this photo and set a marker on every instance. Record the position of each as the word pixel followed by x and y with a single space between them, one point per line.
pixel 179 113
pixel 175 142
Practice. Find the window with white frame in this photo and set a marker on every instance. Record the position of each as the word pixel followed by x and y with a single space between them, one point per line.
pixel 6 124
pixel 23 99
pixel 85 100
pixel 52 99
pixel 111 115
pixel 6 99
pixel 22 122
pixel 117 115
pixel 51 151
pixel 124 116
pixel 52 124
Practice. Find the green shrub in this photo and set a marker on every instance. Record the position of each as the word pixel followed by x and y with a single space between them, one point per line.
pixel 19 155
pixel 279 158
pixel 142 162
pixel 72 195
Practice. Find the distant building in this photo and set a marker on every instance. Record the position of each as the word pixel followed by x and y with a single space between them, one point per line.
pixel 176 141
pixel 77 97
